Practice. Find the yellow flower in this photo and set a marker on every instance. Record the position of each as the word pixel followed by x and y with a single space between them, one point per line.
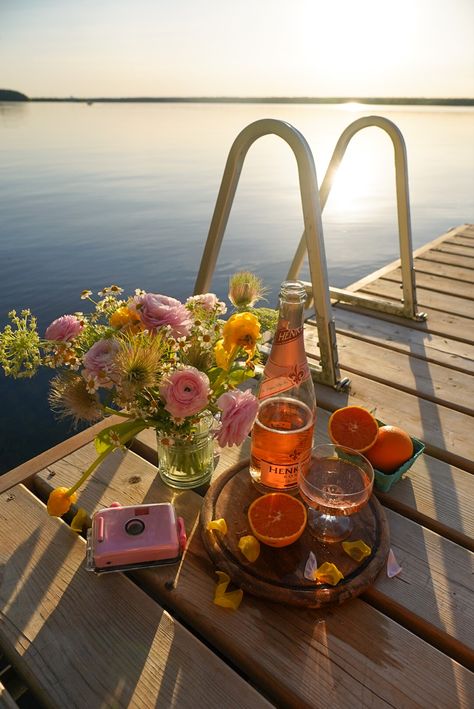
pixel 222 356
pixel 242 329
pixel 59 502
pixel 124 318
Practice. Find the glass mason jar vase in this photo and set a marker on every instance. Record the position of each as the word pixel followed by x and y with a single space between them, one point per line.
pixel 188 462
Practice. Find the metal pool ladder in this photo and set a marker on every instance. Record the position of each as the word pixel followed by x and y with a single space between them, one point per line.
pixel 312 241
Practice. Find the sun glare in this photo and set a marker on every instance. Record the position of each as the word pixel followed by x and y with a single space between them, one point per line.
pixel 351 106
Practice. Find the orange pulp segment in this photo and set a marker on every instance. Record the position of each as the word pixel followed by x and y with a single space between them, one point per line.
pixel 277 519
pixel 353 427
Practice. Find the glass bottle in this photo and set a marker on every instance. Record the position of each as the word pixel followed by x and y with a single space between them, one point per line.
pixel 282 436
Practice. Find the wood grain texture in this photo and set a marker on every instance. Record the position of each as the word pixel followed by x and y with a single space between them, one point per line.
pixel 446 270
pixel 358 655
pixel 461 262
pixel 426 298
pixel 453 248
pixel 461 239
pixel 278 574
pixel 438 282
pixel 439 323
pixel 401 338
pixel 6 700
pixel 414 375
pixel 437 576
pixel 82 640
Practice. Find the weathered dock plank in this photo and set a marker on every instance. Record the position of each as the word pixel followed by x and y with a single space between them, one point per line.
pixel 341 638
pixel 438 282
pixel 444 302
pixel 463 262
pixel 429 381
pixel 453 248
pixel 397 336
pixel 446 270
pixel 53 613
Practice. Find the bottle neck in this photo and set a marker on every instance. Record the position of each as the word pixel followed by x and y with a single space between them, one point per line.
pixel 289 329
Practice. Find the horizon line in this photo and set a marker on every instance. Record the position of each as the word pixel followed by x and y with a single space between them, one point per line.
pixel 267 99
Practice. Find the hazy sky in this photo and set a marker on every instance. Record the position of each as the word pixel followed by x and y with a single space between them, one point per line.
pixel 238 47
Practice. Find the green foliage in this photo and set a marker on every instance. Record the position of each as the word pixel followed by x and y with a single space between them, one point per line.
pixel 20 354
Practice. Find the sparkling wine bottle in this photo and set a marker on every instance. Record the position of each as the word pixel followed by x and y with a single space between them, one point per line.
pixel 282 436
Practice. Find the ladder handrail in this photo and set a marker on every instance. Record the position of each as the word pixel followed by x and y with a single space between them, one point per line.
pixel 409 308
pixel 312 237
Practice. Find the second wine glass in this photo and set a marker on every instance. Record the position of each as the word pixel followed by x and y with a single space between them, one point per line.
pixel 336 485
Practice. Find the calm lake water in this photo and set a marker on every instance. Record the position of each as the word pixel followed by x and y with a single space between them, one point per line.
pixel 124 193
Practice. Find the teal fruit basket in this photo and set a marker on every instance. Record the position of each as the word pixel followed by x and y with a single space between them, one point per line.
pixel 384 481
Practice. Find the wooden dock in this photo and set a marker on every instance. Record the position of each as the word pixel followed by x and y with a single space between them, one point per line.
pixel 154 637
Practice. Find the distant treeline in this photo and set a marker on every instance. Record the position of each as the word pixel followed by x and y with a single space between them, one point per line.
pixel 272 99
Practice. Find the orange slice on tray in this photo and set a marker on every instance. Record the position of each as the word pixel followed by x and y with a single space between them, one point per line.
pixel 392 448
pixel 353 427
pixel 277 519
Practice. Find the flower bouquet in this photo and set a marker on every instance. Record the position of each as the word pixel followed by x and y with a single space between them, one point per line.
pixel 152 360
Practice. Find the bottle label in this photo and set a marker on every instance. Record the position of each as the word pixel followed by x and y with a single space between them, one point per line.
pixel 282 476
pixel 285 335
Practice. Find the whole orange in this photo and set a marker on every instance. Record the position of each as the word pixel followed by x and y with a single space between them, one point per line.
pixel 392 447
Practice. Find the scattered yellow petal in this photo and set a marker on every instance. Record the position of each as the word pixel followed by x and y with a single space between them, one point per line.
pixel 219 524
pixel 250 547
pixel 357 550
pixel 80 520
pixel 328 573
pixel 59 502
pixel 226 600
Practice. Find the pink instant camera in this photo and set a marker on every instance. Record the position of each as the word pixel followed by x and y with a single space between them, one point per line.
pixel 123 538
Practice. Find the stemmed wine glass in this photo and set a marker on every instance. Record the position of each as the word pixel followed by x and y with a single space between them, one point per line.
pixel 337 484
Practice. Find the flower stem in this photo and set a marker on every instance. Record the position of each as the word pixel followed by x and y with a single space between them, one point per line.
pixel 89 470
pixel 114 412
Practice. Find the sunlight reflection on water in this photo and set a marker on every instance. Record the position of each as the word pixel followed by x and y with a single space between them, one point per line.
pixel 91 195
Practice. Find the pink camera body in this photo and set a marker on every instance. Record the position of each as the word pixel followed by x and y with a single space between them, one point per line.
pixel 134 536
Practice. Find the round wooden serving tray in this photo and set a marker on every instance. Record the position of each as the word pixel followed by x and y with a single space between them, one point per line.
pixel 278 574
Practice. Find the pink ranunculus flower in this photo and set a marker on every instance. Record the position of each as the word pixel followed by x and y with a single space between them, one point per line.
pixel 99 361
pixel 239 409
pixel 64 329
pixel 186 392
pixel 156 311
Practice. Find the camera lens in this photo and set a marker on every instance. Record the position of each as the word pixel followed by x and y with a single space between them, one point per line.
pixel 134 527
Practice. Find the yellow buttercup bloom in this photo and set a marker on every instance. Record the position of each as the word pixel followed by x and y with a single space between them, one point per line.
pixel 124 318
pixel 242 329
pixel 59 502
pixel 222 355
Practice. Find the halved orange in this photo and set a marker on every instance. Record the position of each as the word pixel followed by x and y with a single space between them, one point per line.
pixel 353 427
pixel 277 519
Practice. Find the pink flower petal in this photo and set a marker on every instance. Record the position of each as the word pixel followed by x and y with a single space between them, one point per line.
pixel 393 568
